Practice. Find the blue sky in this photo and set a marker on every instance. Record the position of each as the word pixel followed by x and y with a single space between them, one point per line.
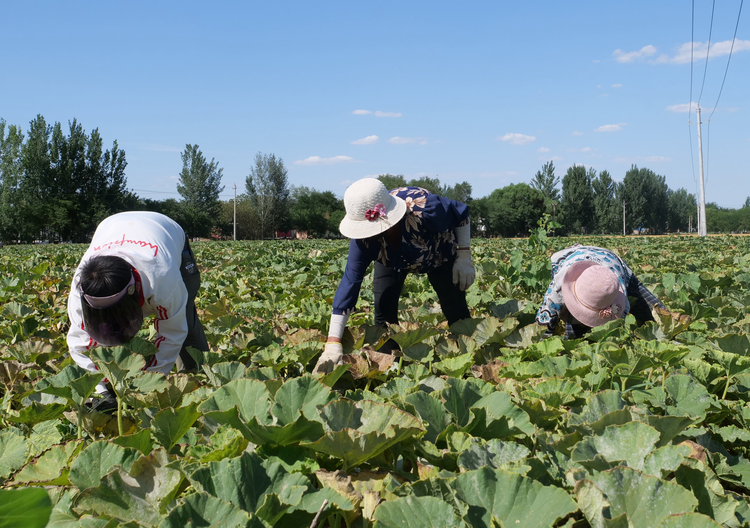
pixel 484 92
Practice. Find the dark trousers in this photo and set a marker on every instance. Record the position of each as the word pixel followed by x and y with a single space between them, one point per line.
pixel 388 284
pixel 196 337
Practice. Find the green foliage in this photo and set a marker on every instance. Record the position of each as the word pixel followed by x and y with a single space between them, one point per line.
pixel 514 210
pixel 199 186
pixel 55 186
pixel 484 423
pixel 267 187
pixel 577 203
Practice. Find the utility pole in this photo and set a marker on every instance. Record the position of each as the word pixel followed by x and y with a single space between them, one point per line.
pixel 690 224
pixel 702 199
pixel 235 212
pixel 623 218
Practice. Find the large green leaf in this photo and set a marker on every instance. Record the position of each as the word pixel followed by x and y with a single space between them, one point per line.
pixel 712 500
pixel 98 459
pixel 513 499
pixel 432 412
pixel 37 412
pixel 357 431
pixel 24 508
pixel 141 495
pixel 494 454
pixel 629 443
pixel 169 425
pixel 251 397
pixel 51 468
pixel 73 382
pixel 503 417
pixel 201 510
pixel 248 482
pixel 303 395
pixel 689 520
pixel 461 395
pixel 13 451
pixel 412 511
pixel 689 398
pixel 645 499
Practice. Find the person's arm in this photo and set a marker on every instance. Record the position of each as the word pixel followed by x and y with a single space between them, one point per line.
pixel 344 303
pixel 463 267
pixel 644 301
pixel 171 328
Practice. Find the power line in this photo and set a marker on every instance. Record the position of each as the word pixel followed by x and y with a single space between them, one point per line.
pixel 690 104
pixel 729 59
pixel 708 49
pixel 692 40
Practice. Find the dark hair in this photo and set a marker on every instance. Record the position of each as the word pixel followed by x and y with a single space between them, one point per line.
pixel 104 275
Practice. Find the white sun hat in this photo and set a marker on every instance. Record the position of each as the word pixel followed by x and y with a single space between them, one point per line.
pixel 370 209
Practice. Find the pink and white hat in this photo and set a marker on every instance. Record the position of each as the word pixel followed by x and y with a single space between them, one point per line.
pixel 370 209
pixel 593 294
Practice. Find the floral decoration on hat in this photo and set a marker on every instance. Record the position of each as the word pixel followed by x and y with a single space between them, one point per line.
pixel 379 211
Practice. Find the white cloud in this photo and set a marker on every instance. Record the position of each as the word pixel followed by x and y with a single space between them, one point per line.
pixel 610 128
pixel 586 149
pixel 699 49
pixel 361 112
pixel 617 85
pixel 387 114
pixel 542 149
pixel 681 108
pixel 653 159
pixel 555 158
pixel 369 140
pixel 632 56
pixel 577 133
pixel 407 140
pixel 317 160
pixel 518 139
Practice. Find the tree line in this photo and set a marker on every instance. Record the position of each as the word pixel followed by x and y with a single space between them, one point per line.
pixel 57 184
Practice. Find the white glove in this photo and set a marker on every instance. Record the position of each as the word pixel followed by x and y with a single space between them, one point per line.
pixel 331 358
pixel 463 270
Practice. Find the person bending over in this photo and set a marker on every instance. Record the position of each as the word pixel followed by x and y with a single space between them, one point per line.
pixel 138 264
pixel 406 230
pixel 590 287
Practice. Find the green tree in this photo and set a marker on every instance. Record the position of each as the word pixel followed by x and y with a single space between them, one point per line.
pixel 392 181
pixel 514 210
pixel 606 208
pixel 546 181
pixel 199 186
pixel 461 192
pixel 431 184
pixel 646 200
pixel 312 211
pixel 682 206
pixel 577 203
pixel 248 227
pixel 11 173
pixel 268 188
pixel 480 219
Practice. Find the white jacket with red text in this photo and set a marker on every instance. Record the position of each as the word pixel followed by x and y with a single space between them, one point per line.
pixel 152 243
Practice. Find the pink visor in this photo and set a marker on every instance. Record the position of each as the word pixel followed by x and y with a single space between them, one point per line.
pixel 111 300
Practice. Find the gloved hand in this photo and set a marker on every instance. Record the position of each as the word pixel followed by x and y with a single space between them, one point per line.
pixel 331 358
pixel 463 270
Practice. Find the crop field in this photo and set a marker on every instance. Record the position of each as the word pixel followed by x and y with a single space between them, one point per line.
pixel 483 424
